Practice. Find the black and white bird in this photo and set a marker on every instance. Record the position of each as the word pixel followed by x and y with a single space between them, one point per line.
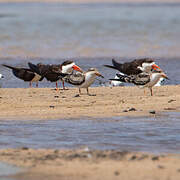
pixel 134 67
pixel 25 74
pixel 143 80
pixel 83 80
pixel 53 72
pixel 116 83
pixel 1 76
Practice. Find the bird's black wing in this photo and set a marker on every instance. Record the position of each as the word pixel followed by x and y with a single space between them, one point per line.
pixel 116 64
pixel 140 79
pixel 24 74
pixel 123 78
pixel 34 68
pixel 21 73
pixel 128 68
pixel 55 68
pixel 41 69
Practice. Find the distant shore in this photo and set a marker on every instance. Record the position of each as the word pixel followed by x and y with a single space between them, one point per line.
pixel 94 1
pixel 47 104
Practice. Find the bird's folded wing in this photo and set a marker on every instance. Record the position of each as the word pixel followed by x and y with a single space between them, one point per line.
pixel 75 79
pixel 142 79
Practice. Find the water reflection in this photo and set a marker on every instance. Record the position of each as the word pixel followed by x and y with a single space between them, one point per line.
pixel 151 134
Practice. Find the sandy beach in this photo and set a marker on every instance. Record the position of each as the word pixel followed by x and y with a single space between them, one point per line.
pixel 86 164
pixel 23 104
pixel 46 103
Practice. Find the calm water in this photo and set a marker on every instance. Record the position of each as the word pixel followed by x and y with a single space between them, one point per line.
pixel 151 134
pixel 52 32
pixel 62 30
pixel 7 169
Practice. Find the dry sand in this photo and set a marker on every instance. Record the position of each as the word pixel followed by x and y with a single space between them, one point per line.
pixel 51 164
pixel 46 103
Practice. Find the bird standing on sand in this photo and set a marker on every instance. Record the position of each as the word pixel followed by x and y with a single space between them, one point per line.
pixel 134 67
pixel 54 73
pixel 143 79
pixel 83 80
pixel 25 74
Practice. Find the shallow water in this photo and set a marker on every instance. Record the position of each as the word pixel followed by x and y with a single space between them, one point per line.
pixel 7 169
pixel 91 30
pixel 152 134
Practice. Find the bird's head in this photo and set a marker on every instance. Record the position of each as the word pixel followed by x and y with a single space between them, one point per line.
pixel 69 66
pixel 96 72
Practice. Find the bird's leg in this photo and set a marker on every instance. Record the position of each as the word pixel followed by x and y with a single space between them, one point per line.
pixel 30 84
pixel 37 84
pixel 56 86
pixel 144 92
pixel 151 91
pixel 79 91
pixel 89 94
pixel 87 91
pixel 63 85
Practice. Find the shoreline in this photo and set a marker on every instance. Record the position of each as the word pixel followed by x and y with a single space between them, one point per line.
pixel 47 104
pixel 84 163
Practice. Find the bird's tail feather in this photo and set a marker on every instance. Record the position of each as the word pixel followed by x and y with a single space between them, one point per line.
pixel 10 67
pixel 109 66
pixel 115 63
pixel 122 78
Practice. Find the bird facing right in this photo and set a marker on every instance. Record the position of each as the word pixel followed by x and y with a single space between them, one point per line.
pixel 83 80
pixel 53 72
pixel 143 80
pixel 134 67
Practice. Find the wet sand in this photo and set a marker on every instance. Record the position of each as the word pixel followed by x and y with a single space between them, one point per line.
pixel 47 104
pixel 86 164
